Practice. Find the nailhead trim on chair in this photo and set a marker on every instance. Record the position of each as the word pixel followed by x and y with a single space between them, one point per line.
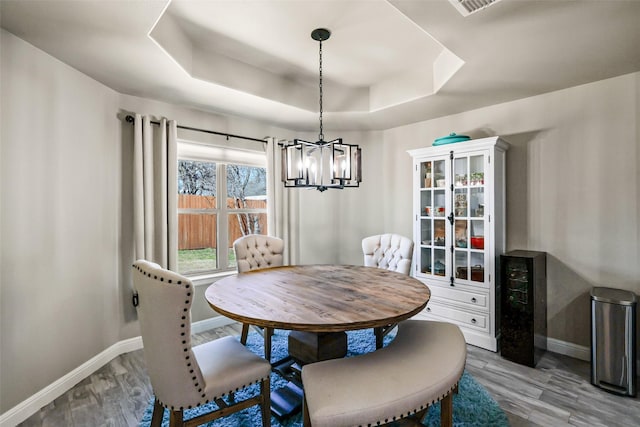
pixel 187 358
pixel 415 411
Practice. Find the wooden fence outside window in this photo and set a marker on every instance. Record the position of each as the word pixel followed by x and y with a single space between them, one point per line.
pixel 198 230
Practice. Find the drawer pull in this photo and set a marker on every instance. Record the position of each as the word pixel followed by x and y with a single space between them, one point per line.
pixel 474 300
pixel 473 321
pixel 428 308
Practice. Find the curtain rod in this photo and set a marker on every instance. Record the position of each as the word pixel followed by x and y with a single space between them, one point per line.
pixel 130 119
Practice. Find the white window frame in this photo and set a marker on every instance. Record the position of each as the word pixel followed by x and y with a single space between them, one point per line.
pixel 221 156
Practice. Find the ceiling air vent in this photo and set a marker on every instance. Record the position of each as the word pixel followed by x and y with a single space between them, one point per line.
pixel 467 7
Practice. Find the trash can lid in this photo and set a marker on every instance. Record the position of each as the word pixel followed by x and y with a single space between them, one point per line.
pixel 613 296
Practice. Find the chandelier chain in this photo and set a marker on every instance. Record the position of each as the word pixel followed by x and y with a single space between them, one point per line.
pixel 321 134
pixel 320 164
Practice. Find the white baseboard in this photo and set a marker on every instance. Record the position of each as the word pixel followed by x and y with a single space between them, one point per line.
pixel 576 351
pixel 30 406
pixel 214 322
pixel 568 349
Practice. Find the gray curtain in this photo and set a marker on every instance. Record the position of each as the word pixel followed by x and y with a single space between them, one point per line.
pixel 282 206
pixel 155 192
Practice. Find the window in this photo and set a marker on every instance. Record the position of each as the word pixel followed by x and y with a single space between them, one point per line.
pixel 218 202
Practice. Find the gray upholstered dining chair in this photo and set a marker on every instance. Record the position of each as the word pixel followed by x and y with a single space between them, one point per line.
pixel 253 252
pixel 391 252
pixel 185 377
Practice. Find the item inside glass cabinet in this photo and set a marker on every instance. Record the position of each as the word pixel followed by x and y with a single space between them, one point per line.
pixel 438 269
pixel 461 234
pixel 461 204
pixel 461 179
pixel 477 273
pixel 477 242
pixel 427 175
pixel 439 233
pixel 477 178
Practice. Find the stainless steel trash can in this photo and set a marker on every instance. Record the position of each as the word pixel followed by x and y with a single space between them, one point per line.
pixel 613 340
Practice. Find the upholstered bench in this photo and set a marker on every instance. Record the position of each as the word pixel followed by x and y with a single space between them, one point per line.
pixel 421 366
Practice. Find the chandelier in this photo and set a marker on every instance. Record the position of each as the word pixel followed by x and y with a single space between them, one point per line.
pixel 321 164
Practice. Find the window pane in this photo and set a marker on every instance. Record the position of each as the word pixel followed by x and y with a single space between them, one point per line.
pixel 197 178
pixel 197 248
pixel 256 223
pixel 246 187
pixel 242 200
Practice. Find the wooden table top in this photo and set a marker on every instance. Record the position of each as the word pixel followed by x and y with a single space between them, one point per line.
pixel 318 298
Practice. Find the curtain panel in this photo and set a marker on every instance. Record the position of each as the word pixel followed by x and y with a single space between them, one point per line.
pixel 282 205
pixel 155 192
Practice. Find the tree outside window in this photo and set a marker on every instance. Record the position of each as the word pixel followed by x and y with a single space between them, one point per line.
pixel 205 224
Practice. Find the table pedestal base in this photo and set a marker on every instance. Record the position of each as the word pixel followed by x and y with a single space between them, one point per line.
pixel 287 400
pixel 309 347
pixel 304 347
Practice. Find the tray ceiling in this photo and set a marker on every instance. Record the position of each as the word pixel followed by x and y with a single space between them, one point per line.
pixel 387 63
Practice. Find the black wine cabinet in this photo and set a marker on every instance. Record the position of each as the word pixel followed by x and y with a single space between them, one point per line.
pixel 523 316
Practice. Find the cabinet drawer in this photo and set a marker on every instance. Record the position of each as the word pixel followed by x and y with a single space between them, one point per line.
pixel 474 320
pixel 477 300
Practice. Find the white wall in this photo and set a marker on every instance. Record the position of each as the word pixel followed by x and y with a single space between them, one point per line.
pixel 66 210
pixel 573 187
pixel 65 203
pixel 333 223
pixel 59 216
pixel 65 216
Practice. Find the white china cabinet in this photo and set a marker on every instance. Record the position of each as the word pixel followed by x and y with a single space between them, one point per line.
pixel 459 233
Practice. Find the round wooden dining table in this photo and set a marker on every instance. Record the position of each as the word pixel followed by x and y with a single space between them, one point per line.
pixel 318 303
pixel 318 298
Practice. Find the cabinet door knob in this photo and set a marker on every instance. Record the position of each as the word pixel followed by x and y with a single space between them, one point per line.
pixel 428 308
pixel 473 300
pixel 473 320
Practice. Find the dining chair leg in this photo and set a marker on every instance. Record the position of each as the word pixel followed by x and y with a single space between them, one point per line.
pixel 176 418
pixel 245 333
pixel 268 333
pixel 158 412
pixel 379 333
pixel 265 390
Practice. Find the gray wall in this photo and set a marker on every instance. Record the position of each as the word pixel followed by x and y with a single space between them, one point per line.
pixel 65 215
pixel 573 187
pixel 65 206
pixel 59 218
pixel 333 223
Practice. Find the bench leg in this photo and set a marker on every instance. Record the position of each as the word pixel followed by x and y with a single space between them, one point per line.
pixel 446 411
pixel 306 421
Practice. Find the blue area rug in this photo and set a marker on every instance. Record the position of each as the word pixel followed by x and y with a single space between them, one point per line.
pixel 472 406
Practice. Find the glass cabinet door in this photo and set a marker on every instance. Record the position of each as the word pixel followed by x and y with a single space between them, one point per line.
pixel 433 217
pixel 469 219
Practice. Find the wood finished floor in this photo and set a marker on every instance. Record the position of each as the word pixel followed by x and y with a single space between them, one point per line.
pixel 556 393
